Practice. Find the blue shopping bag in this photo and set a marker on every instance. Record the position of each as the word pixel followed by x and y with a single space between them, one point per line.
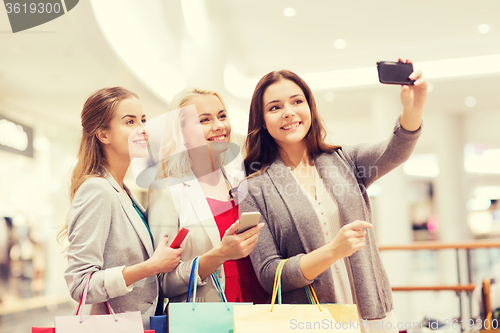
pixel 158 324
pixel 195 317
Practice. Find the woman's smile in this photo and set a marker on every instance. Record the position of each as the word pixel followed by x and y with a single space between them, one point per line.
pixel 291 126
pixel 218 138
pixel 143 142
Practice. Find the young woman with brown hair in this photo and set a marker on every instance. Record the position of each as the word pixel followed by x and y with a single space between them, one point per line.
pixel 108 233
pixel 312 196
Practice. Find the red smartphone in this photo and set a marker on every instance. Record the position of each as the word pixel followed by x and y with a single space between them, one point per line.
pixel 179 238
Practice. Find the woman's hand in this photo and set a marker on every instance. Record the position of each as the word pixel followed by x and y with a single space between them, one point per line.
pixel 165 259
pixel 350 239
pixel 235 246
pixel 232 246
pixel 413 99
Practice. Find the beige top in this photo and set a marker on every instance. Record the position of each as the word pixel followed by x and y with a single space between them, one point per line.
pixel 328 214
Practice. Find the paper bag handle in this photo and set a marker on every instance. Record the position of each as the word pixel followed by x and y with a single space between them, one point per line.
pixel 83 300
pixel 311 294
pixel 193 285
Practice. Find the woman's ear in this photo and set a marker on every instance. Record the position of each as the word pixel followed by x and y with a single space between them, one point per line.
pixel 102 136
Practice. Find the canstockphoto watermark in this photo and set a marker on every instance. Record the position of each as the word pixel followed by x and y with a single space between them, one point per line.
pixel 329 324
pixel 26 14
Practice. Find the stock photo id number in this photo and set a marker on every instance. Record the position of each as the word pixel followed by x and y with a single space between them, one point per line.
pixel 24 15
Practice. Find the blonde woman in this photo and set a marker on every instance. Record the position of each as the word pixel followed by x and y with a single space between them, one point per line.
pixel 194 192
pixel 108 233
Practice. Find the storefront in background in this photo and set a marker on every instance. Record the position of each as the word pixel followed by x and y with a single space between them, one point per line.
pixel 35 160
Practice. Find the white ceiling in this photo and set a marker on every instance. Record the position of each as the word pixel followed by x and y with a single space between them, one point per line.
pixel 262 39
pixel 48 71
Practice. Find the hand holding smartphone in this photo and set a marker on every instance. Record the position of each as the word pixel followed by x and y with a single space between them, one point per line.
pixel 179 238
pixel 392 72
pixel 248 220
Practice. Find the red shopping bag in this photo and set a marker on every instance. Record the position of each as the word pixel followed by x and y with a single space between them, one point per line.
pixel 53 330
pixel 43 330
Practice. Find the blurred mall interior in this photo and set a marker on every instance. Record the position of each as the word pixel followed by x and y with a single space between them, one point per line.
pixel 446 193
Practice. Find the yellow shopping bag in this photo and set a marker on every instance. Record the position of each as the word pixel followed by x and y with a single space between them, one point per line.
pixel 272 318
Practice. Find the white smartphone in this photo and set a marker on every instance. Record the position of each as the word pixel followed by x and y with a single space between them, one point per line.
pixel 248 220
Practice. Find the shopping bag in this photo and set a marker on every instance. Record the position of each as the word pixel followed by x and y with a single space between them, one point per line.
pixel 490 324
pixel 53 330
pixel 201 317
pixel 315 317
pixel 158 324
pixel 43 330
pixel 128 322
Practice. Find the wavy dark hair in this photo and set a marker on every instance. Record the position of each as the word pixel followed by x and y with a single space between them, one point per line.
pixel 260 147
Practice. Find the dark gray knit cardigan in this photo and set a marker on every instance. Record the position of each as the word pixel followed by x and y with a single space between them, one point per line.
pixel 293 229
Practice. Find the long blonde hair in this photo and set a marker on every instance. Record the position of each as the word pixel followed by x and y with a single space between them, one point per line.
pixel 97 112
pixel 173 154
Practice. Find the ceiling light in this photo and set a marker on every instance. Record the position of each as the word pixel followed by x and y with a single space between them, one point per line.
pixel 329 96
pixel 483 28
pixel 470 101
pixel 340 44
pixel 289 12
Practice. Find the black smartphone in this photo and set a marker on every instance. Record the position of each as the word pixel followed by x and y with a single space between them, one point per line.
pixel 392 72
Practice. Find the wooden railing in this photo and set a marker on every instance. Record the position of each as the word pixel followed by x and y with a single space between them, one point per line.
pixel 459 288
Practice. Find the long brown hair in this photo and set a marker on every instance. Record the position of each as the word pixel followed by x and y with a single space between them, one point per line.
pixel 261 149
pixel 97 112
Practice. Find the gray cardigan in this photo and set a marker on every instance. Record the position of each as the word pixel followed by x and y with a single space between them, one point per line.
pixel 293 229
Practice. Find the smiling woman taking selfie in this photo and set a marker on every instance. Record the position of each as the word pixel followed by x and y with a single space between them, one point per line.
pixel 108 233
pixel 312 196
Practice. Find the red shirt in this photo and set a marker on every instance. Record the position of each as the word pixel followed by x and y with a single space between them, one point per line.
pixel 241 283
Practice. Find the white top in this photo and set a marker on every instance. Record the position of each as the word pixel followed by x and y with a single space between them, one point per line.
pixel 328 214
